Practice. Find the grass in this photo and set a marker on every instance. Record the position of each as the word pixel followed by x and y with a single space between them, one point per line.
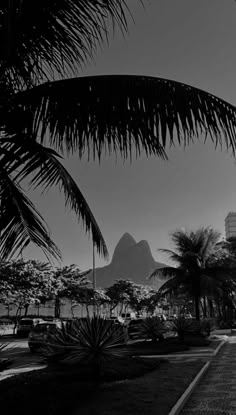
pixel 149 348
pixel 138 386
pixel 130 386
pixel 153 394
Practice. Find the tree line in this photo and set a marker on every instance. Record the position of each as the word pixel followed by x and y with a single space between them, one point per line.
pixel 202 281
pixel 31 282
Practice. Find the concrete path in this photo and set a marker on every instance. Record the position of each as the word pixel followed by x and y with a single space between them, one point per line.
pixel 216 392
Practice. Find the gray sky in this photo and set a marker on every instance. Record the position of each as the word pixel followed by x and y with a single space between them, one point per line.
pixel 185 40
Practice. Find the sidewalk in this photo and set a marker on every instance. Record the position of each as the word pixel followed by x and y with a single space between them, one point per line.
pixel 216 393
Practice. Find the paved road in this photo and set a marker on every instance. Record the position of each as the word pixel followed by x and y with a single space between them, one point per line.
pixel 16 347
pixel 23 359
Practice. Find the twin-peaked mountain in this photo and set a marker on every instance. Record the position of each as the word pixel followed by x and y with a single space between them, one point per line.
pixel 131 261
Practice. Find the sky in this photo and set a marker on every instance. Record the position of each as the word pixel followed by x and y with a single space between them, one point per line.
pixel 189 41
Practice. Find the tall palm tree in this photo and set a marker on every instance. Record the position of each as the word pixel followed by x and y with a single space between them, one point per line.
pixel 200 270
pixel 41 119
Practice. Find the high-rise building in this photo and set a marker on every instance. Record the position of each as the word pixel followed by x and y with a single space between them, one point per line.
pixel 230 225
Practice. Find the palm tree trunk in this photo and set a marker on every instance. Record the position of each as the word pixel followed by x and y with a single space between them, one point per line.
pixel 204 307
pixel 219 310
pixel 197 311
pixel 212 307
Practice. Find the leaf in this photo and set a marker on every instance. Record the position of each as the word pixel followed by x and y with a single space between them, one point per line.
pixel 121 114
pixel 20 222
pixel 166 273
pixel 47 171
pixel 43 37
pixel 93 340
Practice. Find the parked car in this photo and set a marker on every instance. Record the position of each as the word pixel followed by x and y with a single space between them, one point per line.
pixel 162 317
pixel 25 325
pixel 171 317
pixel 117 320
pixel 133 328
pixel 39 334
pixel 128 316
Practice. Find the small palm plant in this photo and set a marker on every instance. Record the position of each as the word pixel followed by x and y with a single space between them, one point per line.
pixel 181 326
pixel 93 341
pixel 152 328
pixel 206 327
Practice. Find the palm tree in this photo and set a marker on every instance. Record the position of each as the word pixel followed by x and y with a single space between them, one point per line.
pixel 200 271
pixel 41 118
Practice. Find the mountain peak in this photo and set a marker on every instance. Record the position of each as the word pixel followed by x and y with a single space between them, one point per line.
pixel 125 242
pixel 144 244
pixel 131 261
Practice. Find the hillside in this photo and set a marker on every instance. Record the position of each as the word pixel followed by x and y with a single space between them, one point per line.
pixel 131 260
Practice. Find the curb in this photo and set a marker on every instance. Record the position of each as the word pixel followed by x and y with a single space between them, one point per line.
pixel 186 395
pixel 219 347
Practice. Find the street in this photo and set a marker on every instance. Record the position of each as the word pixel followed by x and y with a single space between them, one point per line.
pixel 23 359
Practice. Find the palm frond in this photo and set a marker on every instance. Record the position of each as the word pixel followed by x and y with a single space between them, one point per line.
pixel 185 242
pixel 173 256
pixel 172 286
pixel 121 113
pixel 31 158
pixel 212 237
pixel 166 273
pixel 200 242
pixel 38 38
pixel 20 222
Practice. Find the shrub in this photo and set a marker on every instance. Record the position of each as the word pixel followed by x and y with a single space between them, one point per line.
pixel 185 327
pixel 222 324
pixel 93 341
pixel 206 327
pixel 181 326
pixel 152 328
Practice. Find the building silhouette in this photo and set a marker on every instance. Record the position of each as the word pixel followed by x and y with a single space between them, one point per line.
pixel 230 225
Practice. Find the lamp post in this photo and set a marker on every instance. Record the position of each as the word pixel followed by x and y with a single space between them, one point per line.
pixel 94 272
pixel 94 280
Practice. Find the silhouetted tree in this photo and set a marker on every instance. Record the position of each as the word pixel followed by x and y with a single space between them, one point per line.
pixel 41 118
pixel 200 270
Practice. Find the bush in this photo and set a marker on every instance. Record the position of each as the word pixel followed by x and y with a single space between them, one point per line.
pixel 93 341
pixel 196 328
pixel 181 326
pixel 221 324
pixel 152 328
pixel 206 327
